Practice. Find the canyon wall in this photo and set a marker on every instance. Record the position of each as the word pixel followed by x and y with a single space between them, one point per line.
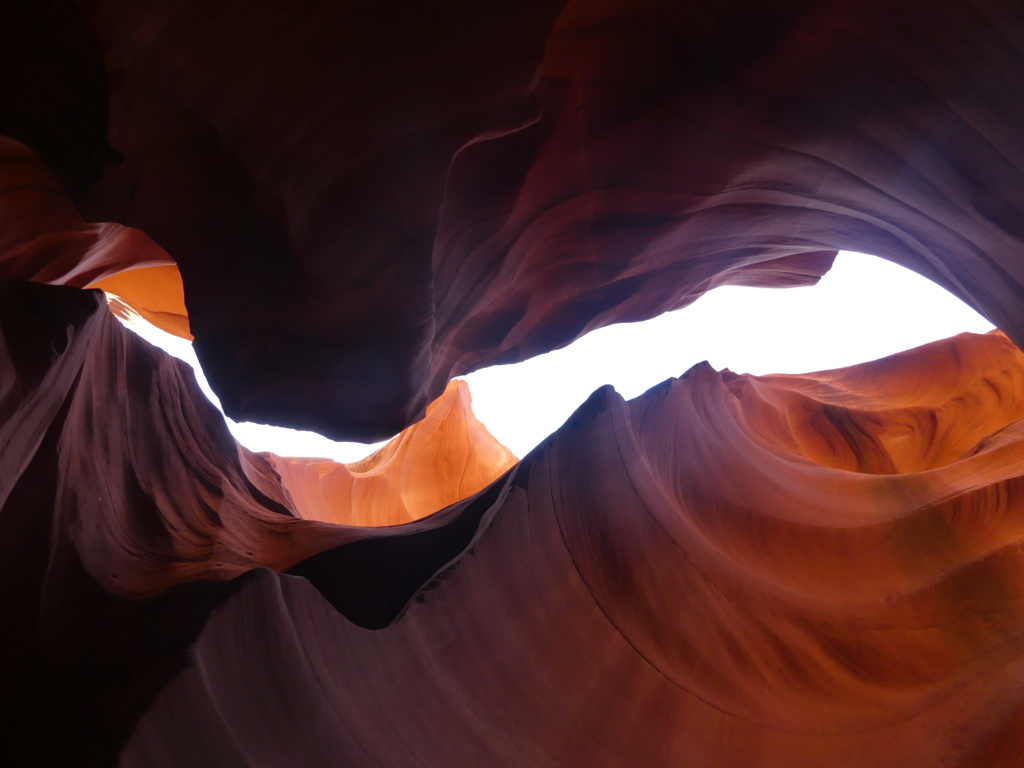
pixel 774 570
pixel 438 461
pixel 346 205
pixel 729 570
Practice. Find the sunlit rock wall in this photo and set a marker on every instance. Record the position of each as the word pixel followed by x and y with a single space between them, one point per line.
pixel 398 194
pixel 362 200
pixel 125 508
pixel 44 238
pixel 729 570
pixel 777 570
pixel 438 461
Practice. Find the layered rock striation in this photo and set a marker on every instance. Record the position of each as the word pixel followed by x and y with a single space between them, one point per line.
pixel 438 461
pixel 777 570
pixel 729 570
pixel 44 238
pixel 549 168
pixel 604 162
pixel 126 507
pixel 357 202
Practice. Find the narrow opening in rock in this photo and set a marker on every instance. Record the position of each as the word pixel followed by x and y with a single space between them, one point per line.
pixel 748 330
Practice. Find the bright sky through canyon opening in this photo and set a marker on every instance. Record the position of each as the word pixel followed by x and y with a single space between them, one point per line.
pixel 748 330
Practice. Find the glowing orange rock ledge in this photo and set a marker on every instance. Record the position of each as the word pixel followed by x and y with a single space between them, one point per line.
pixel 44 238
pixel 438 461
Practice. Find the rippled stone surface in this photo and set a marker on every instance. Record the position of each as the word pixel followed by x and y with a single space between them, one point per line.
pixel 438 461
pixel 729 570
pixel 363 200
pixel 398 194
pixel 44 238
pixel 126 507
pixel 825 568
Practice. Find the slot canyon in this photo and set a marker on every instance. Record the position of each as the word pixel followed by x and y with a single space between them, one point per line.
pixel 346 205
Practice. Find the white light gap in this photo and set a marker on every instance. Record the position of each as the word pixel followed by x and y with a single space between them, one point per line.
pixel 863 309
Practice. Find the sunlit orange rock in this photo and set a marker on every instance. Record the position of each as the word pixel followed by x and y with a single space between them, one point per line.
pixel 44 238
pixel 126 512
pixel 809 570
pixel 438 461
pixel 365 199
pixel 154 293
pixel 729 570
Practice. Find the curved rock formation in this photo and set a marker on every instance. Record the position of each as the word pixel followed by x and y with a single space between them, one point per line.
pixel 436 462
pixel 154 293
pixel 44 238
pixel 603 162
pixel 364 199
pixel 479 182
pixel 729 570
pixel 778 570
pixel 125 507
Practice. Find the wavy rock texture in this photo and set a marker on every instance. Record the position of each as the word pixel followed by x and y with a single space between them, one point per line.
pixel 125 506
pixel 365 199
pixel 44 238
pixel 153 293
pixel 398 193
pixel 729 570
pixel 443 459
pixel 779 570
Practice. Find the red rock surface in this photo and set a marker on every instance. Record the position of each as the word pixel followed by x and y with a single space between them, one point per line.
pixel 397 194
pixel 153 293
pixel 438 461
pixel 125 505
pixel 44 238
pixel 778 570
pixel 729 570
pixel 365 199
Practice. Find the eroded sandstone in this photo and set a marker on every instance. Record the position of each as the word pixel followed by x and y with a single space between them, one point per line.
pixel 438 461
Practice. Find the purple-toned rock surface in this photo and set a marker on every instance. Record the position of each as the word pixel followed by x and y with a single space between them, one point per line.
pixel 363 200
